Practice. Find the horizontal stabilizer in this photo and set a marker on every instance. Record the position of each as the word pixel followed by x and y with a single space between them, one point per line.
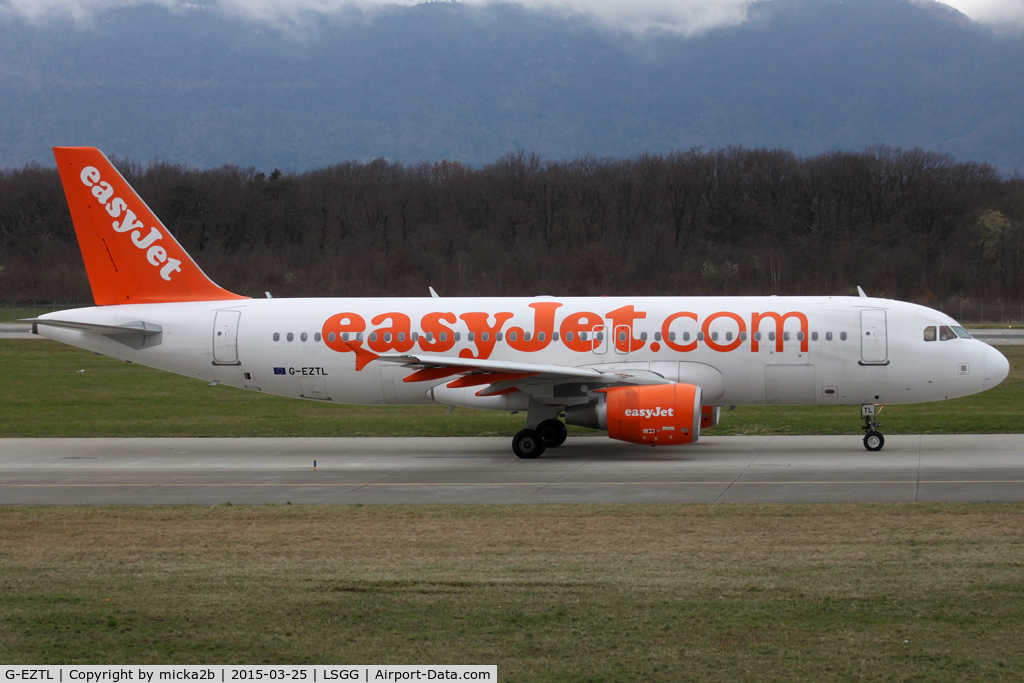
pixel 138 327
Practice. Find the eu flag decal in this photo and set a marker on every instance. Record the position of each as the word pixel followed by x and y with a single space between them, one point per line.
pixel 279 371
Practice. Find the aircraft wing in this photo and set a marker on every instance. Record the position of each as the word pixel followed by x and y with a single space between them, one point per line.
pixel 504 376
pixel 458 366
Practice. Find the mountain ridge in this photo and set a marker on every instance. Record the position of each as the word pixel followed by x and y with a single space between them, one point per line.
pixel 448 81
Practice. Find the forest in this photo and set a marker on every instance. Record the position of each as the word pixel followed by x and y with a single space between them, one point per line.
pixel 903 223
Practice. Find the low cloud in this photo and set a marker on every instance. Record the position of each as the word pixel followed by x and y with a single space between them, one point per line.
pixel 686 17
pixel 679 16
pixel 1004 13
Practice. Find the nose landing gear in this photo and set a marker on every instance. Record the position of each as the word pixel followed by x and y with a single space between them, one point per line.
pixel 873 439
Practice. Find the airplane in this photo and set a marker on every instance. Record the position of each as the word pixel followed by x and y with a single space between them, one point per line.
pixel 648 370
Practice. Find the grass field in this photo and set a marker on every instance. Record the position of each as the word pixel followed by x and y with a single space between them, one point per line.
pixel 579 593
pixel 12 315
pixel 914 592
pixel 49 389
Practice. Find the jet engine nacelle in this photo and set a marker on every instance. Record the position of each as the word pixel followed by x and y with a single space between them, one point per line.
pixel 709 416
pixel 660 415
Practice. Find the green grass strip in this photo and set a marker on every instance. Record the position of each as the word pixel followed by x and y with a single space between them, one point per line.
pixel 51 390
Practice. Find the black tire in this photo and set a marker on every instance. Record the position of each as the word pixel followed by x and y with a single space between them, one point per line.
pixel 528 444
pixel 873 441
pixel 553 432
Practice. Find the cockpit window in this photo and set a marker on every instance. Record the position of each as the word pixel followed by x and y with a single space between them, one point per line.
pixel 946 333
pixel 929 333
pixel 961 332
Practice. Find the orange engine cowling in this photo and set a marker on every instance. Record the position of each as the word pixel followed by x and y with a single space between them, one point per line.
pixel 661 415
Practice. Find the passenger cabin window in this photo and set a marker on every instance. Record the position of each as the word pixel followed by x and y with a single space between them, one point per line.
pixel 290 337
pixel 929 333
pixel 842 336
pixel 317 337
pixel 946 333
pixel 814 336
pixel 331 336
pixel 303 336
pixel 828 336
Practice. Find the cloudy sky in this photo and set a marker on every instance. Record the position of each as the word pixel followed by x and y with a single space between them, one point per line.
pixel 681 16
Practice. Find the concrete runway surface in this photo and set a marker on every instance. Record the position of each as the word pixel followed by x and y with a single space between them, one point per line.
pixel 483 470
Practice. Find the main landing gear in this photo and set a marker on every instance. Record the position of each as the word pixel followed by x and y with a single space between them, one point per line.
pixel 528 443
pixel 873 439
pixel 549 432
pixel 531 443
pixel 553 432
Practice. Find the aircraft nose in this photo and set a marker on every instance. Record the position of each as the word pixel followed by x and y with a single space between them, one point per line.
pixel 996 368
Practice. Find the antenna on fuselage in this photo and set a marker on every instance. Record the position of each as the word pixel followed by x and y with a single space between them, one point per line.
pixel 861 292
pixel 433 294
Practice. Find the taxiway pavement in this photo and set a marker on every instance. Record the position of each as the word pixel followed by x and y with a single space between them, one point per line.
pixel 484 470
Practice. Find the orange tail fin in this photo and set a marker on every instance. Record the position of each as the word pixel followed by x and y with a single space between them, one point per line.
pixel 129 255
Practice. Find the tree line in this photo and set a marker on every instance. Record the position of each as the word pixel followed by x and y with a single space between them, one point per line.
pixel 909 224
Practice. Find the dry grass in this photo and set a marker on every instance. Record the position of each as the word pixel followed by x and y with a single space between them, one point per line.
pixel 580 593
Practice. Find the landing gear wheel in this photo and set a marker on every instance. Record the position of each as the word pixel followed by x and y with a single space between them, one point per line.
pixel 873 441
pixel 553 432
pixel 528 443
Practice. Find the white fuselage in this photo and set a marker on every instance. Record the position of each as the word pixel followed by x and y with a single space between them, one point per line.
pixel 850 350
